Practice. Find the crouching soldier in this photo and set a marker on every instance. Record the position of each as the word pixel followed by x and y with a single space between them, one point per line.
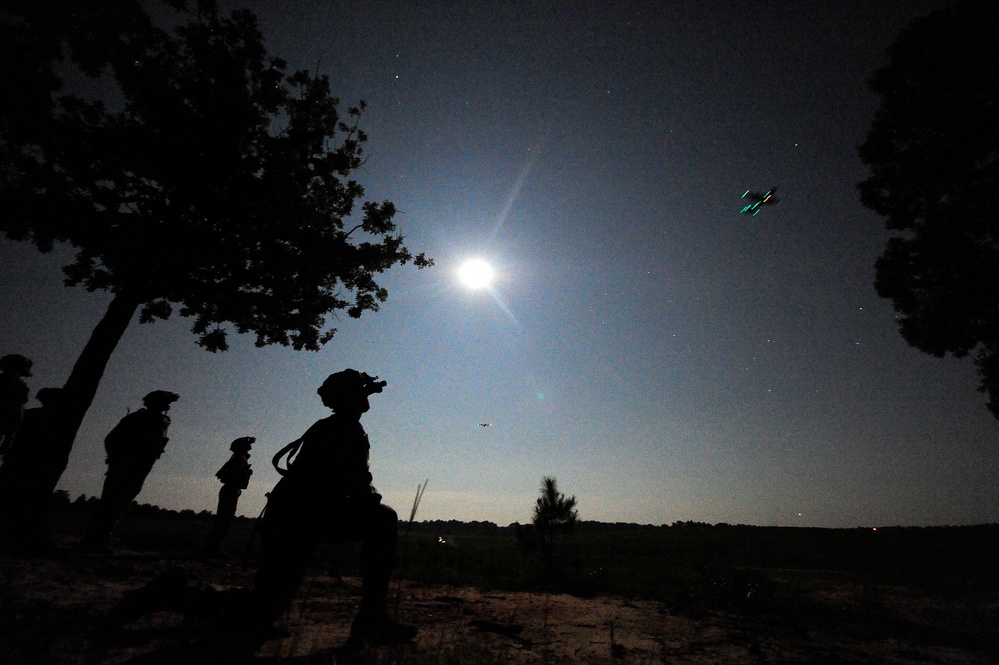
pixel 325 495
pixel 235 476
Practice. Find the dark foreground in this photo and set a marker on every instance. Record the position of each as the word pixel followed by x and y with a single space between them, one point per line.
pixel 801 596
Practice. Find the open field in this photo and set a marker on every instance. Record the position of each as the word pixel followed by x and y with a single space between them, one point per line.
pixel 619 594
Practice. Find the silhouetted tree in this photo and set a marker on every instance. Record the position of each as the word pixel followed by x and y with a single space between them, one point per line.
pixel 195 172
pixel 60 501
pixel 86 504
pixel 933 151
pixel 553 512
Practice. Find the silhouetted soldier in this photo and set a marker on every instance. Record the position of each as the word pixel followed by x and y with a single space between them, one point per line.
pixel 133 446
pixel 326 496
pixel 235 476
pixel 13 396
pixel 30 472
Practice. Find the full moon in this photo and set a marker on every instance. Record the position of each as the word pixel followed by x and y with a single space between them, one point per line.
pixel 475 274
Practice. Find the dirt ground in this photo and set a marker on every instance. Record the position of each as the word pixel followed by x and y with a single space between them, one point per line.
pixel 49 608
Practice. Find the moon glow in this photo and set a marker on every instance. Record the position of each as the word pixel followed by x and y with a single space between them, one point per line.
pixel 475 274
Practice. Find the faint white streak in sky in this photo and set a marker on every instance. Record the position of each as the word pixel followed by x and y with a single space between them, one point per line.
pixel 503 306
pixel 514 194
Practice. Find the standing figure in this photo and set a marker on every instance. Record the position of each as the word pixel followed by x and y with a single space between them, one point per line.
pixel 133 446
pixel 32 466
pixel 326 495
pixel 14 368
pixel 235 476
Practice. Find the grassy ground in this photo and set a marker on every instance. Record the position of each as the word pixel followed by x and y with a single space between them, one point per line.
pixel 661 563
pixel 922 586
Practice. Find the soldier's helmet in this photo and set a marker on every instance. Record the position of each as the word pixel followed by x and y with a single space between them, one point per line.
pixel 16 364
pixel 160 398
pixel 350 381
pixel 242 444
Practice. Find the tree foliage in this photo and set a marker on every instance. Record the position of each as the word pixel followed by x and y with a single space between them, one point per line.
pixel 553 512
pixel 933 153
pixel 199 173
pixel 189 169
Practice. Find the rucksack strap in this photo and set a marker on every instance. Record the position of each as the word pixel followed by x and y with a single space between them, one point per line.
pixel 290 450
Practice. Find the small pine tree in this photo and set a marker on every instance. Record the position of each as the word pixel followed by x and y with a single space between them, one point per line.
pixel 553 512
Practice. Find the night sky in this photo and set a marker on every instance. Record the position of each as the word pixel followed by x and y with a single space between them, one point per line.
pixel 663 356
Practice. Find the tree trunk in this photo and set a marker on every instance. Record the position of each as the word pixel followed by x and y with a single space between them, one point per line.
pixel 33 478
pixel 81 386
